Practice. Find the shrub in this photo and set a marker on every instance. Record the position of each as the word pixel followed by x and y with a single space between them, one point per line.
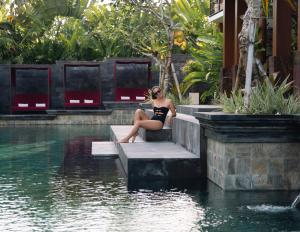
pixel 265 98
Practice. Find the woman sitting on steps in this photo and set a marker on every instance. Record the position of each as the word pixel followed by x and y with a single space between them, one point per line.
pixel 161 107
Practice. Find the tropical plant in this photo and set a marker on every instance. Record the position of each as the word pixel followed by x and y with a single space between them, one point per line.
pixel 174 97
pixel 42 31
pixel 204 44
pixel 150 29
pixel 204 68
pixel 268 97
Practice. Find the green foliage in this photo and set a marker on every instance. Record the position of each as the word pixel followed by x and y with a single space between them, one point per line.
pixel 43 31
pixel 232 104
pixel 205 68
pixel 176 100
pixel 204 44
pixel 265 98
pixel 173 95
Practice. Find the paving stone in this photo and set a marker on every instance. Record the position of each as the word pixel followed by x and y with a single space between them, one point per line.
pixel 229 182
pixel 291 165
pixel 242 166
pixel 243 182
pixel 276 181
pixel 275 166
pixel 231 166
pixel 259 166
pixel 260 182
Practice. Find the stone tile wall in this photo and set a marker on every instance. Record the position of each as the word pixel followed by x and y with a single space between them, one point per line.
pixel 186 132
pixel 116 117
pixel 254 166
pixel 5 89
pixel 106 74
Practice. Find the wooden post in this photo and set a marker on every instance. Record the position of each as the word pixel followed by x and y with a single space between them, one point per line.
pixel 228 29
pixel 298 44
pixel 281 46
pixel 240 9
pixel 228 45
pixel 297 59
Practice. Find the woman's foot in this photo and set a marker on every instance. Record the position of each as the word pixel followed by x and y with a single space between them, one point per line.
pixel 134 137
pixel 123 140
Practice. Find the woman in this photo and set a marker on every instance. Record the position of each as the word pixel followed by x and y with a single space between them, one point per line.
pixel 161 107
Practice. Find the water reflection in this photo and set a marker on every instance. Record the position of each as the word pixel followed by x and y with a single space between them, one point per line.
pixel 55 185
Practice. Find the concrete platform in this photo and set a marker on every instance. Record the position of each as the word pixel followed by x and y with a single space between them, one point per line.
pixel 155 160
pixel 164 134
pixel 104 150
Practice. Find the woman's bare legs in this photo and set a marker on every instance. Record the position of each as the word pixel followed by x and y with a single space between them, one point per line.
pixel 139 115
pixel 147 124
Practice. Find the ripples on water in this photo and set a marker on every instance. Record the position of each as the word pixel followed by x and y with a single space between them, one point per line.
pixel 49 182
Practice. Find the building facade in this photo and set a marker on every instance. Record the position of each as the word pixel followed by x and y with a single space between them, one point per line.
pixel 278 34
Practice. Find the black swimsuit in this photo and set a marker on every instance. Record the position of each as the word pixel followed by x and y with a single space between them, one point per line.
pixel 160 113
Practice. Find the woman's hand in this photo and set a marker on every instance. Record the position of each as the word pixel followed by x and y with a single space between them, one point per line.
pixel 169 121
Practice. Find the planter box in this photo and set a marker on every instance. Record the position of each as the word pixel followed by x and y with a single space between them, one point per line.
pixel 252 152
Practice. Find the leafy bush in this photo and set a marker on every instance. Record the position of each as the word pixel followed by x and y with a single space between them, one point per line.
pixel 205 66
pixel 176 101
pixel 265 98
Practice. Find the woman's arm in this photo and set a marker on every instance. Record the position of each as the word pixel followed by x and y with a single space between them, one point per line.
pixel 172 108
pixel 173 111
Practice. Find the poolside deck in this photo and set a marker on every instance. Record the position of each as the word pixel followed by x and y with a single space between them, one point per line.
pixel 154 160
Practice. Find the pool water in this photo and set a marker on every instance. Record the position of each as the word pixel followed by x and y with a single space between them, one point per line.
pixel 50 182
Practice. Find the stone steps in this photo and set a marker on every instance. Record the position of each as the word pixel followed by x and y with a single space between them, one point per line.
pixel 154 160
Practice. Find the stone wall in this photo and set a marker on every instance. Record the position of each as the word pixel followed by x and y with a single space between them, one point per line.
pixel 57 89
pixel 254 166
pixel 5 89
pixel 186 132
pixel 115 117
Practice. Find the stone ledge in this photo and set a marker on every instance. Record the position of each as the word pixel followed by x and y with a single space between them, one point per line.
pixel 120 105
pixel 250 128
pixel 27 117
pixel 191 109
pixel 165 134
pixel 155 160
pixel 79 112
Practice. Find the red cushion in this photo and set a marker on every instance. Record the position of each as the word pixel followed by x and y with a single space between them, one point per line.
pixel 81 96
pixel 31 100
pixel 130 92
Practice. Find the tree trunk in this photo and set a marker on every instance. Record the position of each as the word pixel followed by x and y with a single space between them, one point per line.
pixel 254 8
pixel 176 81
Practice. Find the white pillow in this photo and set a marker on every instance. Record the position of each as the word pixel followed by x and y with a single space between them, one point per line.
pixel 140 98
pixel 22 104
pixel 40 105
pixel 74 101
pixel 125 98
pixel 88 101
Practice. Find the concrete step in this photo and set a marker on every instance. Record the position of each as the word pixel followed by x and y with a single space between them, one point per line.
pixel 165 134
pixel 155 160
pixel 104 150
pixel 191 109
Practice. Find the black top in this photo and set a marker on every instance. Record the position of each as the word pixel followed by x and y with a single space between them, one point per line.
pixel 160 113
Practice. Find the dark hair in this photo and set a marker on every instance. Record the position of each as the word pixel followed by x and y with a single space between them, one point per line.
pixel 154 95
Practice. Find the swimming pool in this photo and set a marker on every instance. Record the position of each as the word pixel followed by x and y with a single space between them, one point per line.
pixel 49 182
